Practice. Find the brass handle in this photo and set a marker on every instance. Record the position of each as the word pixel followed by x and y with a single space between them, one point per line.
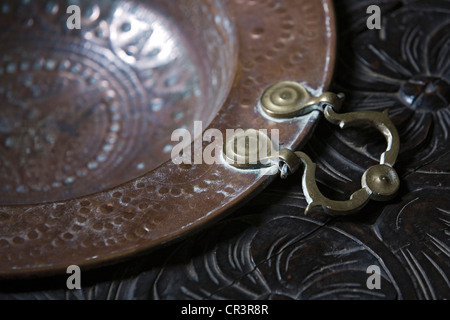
pixel 380 182
pixel 288 100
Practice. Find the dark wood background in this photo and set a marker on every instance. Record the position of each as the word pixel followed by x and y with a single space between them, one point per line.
pixel 269 249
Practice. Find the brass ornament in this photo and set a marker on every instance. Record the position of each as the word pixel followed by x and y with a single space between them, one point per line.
pixel 287 100
pixel 249 149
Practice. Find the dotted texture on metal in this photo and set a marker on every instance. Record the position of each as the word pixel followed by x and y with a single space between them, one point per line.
pixel 88 180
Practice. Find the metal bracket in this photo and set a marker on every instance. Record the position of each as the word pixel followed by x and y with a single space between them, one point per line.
pixel 288 100
pixel 380 182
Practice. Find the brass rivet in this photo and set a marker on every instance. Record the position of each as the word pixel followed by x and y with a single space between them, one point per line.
pixel 284 99
pixel 288 99
pixel 249 149
pixel 383 181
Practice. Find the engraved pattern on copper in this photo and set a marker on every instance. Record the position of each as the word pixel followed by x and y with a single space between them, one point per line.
pixel 171 201
pixel 269 250
pixel 132 71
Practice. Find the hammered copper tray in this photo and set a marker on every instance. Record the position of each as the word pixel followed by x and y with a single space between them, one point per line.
pixel 87 114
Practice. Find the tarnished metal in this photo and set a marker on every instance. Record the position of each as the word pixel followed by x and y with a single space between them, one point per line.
pixel 289 163
pixel 86 176
pixel 250 149
pixel 379 182
pixel 378 120
pixel 289 99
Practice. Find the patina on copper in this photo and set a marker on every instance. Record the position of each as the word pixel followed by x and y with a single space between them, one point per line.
pixel 86 118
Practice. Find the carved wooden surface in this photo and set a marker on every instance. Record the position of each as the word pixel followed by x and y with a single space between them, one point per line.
pixel 269 249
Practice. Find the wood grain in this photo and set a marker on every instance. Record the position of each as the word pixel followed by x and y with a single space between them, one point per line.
pixel 270 250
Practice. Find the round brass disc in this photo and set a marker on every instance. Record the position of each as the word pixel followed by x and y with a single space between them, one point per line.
pixel 383 181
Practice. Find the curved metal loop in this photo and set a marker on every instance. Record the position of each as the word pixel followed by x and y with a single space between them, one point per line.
pixel 379 120
pixel 379 182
